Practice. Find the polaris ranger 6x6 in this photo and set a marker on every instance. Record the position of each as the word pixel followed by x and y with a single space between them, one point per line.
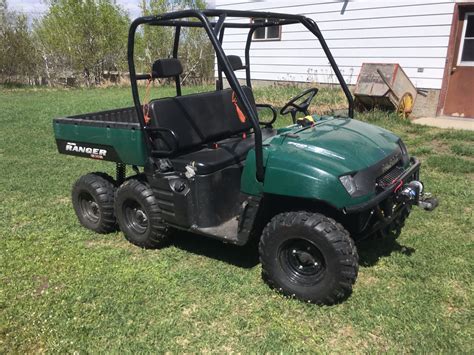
pixel 205 163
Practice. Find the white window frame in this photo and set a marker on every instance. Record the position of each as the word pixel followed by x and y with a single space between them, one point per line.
pixel 463 37
pixel 266 31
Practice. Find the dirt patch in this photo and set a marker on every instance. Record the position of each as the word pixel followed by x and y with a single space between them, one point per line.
pixel 351 340
pixel 182 341
pixel 39 348
pixel 381 342
pixel 187 312
pixel 63 200
pixel 367 281
pixel 459 289
pixel 450 309
pixel 42 285
pixel 20 225
pixel 440 147
pixel 355 342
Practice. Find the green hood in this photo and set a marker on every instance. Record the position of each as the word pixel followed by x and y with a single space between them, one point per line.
pixel 338 145
pixel 307 162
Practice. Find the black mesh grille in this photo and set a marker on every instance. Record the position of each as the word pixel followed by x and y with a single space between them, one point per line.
pixel 389 176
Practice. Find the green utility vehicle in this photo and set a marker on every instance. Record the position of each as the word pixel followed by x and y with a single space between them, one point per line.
pixel 205 163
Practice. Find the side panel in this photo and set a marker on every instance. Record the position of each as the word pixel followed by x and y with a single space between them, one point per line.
pixel 202 201
pixel 122 145
pixel 291 178
pixel 248 181
pixel 87 150
pixel 287 175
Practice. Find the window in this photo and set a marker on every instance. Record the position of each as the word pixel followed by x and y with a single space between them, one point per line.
pixel 466 49
pixel 272 33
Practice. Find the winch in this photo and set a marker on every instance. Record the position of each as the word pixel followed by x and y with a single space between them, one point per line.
pixel 413 193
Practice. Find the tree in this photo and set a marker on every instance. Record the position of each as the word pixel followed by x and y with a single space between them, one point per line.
pixel 195 50
pixel 3 11
pixel 89 36
pixel 18 55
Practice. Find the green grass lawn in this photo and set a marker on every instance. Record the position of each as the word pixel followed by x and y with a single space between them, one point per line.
pixel 64 288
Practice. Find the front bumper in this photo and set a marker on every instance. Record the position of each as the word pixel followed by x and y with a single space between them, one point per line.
pixel 390 207
pixel 412 173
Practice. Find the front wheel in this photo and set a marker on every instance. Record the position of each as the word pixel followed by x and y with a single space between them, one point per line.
pixel 308 256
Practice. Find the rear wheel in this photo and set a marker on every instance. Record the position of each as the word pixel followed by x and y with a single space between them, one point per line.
pixel 138 214
pixel 308 256
pixel 93 202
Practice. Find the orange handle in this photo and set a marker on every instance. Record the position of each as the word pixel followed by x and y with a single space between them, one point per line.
pixel 241 115
pixel 146 99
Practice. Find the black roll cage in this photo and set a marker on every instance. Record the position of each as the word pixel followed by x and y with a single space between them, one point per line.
pixel 215 31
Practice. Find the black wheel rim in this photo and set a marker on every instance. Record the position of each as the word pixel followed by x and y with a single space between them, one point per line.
pixel 302 261
pixel 89 207
pixel 135 217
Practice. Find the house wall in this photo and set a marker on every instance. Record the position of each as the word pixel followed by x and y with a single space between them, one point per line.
pixel 413 33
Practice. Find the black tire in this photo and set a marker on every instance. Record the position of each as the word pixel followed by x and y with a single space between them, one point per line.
pixel 308 256
pixel 93 201
pixel 138 214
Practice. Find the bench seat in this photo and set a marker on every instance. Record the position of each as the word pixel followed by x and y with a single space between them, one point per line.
pixel 226 152
pixel 208 129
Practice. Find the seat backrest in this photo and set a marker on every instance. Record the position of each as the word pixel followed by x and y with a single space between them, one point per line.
pixel 201 118
pixel 166 68
pixel 235 62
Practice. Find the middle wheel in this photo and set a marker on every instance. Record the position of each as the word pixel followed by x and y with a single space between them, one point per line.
pixel 139 215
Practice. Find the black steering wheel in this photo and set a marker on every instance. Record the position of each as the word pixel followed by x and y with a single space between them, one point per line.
pixel 293 107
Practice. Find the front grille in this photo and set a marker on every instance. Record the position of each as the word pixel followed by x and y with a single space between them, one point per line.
pixel 389 177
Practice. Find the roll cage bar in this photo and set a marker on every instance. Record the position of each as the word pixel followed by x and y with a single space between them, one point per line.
pixel 215 31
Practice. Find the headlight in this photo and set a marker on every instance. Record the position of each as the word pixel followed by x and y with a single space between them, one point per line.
pixel 348 182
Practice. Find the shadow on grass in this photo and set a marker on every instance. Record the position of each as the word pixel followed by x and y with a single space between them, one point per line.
pixel 244 257
pixel 371 251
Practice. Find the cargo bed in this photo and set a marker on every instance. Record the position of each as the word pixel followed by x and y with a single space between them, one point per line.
pixel 113 135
